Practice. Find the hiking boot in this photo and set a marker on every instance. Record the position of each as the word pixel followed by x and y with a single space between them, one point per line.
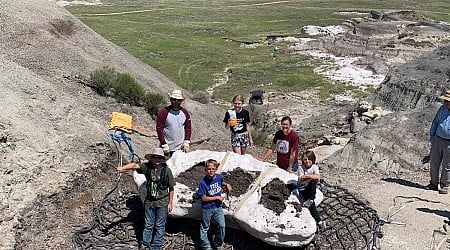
pixel 443 190
pixel 322 225
pixel 431 187
pixel 308 203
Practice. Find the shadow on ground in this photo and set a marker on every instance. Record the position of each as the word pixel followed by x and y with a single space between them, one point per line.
pixel 404 182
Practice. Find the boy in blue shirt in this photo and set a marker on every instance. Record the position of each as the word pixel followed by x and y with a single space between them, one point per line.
pixel 210 191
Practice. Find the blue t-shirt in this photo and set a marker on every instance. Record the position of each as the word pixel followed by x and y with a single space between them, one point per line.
pixel 211 187
pixel 441 123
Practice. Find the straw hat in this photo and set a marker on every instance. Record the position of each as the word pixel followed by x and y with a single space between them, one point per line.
pixel 176 94
pixel 446 96
pixel 155 152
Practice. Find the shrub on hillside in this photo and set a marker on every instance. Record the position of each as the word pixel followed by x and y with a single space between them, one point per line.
pixel 127 90
pixel 259 138
pixel 103 79
pixel 124 88
pixel 153 102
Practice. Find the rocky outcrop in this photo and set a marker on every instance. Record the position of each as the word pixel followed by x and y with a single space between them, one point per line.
pixel 384 38
pixel 416 84
pixel 391 144
pixel 400 140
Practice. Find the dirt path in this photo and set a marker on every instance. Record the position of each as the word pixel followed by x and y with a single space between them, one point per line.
pixel 415 217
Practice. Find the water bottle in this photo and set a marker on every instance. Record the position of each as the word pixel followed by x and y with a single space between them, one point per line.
pixel 233 119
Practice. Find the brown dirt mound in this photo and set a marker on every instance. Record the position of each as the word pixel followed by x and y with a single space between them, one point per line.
pixel 239 179
pixel 192 176
pixel 274 194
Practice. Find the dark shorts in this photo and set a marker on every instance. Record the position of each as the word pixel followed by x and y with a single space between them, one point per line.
pixel 240 140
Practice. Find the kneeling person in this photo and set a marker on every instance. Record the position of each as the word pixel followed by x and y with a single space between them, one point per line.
pixel 308 176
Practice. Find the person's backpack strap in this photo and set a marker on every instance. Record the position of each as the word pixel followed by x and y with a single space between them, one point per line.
pixel 162 178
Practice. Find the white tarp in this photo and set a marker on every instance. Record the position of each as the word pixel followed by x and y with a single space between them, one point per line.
pixel 290 228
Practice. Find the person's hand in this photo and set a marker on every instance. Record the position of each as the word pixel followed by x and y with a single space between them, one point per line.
pixel 165 148
pixel 304 177
pixel 118 168
pixel 169 207
pixel 251 143
pixel 186 146
pixel 290 170
pixel 220 197
pixel 232 122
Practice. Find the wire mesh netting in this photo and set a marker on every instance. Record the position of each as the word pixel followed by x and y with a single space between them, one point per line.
pixel 351 223
pixel 118 222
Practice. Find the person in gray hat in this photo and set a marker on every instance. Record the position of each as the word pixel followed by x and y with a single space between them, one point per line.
pixel 440 147
pixel 173 125
pixel 159 199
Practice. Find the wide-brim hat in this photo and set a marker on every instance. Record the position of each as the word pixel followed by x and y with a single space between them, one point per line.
pixel 446 96
pixel 155 152
pixel 176 94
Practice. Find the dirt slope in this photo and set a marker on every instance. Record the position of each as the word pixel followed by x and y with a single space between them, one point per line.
pixel 51 126
pixel 53 129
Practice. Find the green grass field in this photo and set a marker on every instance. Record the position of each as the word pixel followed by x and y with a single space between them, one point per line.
pixel 194 42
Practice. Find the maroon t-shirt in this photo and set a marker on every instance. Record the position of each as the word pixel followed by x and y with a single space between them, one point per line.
pixel 285 145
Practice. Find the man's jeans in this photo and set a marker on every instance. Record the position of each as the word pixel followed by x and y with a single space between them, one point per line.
pixel 155 217
pixel 217 214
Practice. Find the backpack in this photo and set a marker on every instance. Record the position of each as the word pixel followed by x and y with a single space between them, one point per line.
pixel 154 187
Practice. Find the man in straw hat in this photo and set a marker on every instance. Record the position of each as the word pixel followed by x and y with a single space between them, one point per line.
pixel 440 147
pixel 173 125
pixel 159 198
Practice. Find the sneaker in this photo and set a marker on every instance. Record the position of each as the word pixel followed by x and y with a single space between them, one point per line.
pixel 443 190
pixel 308 203
pixel 431 187
pixel 322 225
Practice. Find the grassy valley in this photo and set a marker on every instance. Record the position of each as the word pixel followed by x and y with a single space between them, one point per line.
pixel 198 43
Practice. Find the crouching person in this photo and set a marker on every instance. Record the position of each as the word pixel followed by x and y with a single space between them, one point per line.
pixel 210 191
pixel 308 176
pixel 159 199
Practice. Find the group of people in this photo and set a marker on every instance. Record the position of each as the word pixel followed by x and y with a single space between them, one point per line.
pixel 173 126
pixel 285 141
pixel 158 200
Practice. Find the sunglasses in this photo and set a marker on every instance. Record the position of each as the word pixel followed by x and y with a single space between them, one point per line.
pixel 175 100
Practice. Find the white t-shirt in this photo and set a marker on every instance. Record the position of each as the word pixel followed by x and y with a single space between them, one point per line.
pixel 302 170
